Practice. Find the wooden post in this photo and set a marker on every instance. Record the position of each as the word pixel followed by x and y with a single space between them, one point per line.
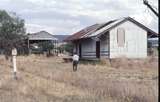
pixel 14 54
pixel 54 48
pixel 57 47
pixel 28 47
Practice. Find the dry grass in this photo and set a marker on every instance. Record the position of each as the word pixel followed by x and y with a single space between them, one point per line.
pixel 150 62
pixel 42 79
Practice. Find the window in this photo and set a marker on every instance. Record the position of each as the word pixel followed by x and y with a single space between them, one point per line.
pixel 120 37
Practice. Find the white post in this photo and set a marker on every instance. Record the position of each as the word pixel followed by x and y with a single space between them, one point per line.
pixel 14 54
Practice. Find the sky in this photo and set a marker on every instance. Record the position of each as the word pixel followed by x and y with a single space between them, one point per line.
pixel 69 16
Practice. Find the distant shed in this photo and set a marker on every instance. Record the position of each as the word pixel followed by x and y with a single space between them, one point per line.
pixel 42 36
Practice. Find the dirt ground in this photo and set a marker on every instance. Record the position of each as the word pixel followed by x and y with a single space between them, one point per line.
pixel 42 79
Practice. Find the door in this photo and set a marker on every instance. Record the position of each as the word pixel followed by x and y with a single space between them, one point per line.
pixel 98 49
pixel 80 50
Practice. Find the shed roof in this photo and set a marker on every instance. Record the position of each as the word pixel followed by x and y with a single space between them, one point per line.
pixel 42 35
pixel 98 29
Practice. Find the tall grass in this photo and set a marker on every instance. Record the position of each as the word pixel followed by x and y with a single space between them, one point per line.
pixel 42 79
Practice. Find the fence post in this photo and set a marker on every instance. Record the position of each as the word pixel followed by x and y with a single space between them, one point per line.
pixel 14 54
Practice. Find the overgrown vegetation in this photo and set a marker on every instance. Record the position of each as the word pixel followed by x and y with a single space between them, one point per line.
pixel 12 33
pixel 52 80
pixel 66 47
pixel 46 46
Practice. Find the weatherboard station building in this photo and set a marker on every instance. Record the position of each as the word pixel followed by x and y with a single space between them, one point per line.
pixel 123 37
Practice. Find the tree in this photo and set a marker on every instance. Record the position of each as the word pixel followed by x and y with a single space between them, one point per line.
pixel 68 48
pixel 150 7
pixel 46 46
pixel 12 32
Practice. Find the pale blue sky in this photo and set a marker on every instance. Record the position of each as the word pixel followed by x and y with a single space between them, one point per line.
pixel 69 16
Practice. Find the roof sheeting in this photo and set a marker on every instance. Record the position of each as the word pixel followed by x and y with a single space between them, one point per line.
pixel 101 26
pixel 42 35
pixel 82 32
pixel 99 29
pixel 106 28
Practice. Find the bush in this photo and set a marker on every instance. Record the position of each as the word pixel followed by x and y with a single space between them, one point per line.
pixel 46 46
pixel 68 48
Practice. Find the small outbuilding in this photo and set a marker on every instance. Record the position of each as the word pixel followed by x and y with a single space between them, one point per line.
pixel 42 37
pixel 124 37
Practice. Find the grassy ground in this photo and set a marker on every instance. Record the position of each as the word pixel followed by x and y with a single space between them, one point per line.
pixel 42 79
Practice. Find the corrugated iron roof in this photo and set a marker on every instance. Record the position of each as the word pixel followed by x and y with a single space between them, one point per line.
pixel 98 29
pixel 101 26
pixel 84 33
pixel 42 35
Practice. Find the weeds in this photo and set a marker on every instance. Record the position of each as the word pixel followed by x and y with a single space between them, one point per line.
pixel 44 79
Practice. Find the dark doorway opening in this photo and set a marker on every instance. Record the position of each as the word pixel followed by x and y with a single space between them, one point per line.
pixel 98 49
pixel 80 50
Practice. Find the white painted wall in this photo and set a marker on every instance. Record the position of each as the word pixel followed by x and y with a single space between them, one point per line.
pixel 135 42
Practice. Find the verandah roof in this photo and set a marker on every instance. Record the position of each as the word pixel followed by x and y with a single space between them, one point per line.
pixel 42 35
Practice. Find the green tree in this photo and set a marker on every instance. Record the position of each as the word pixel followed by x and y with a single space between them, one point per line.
pixel 12 32
pixel 46 46
pixel 68 48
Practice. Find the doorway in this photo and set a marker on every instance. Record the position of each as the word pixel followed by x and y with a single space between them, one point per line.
pixel 80 50
pixel 98 49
